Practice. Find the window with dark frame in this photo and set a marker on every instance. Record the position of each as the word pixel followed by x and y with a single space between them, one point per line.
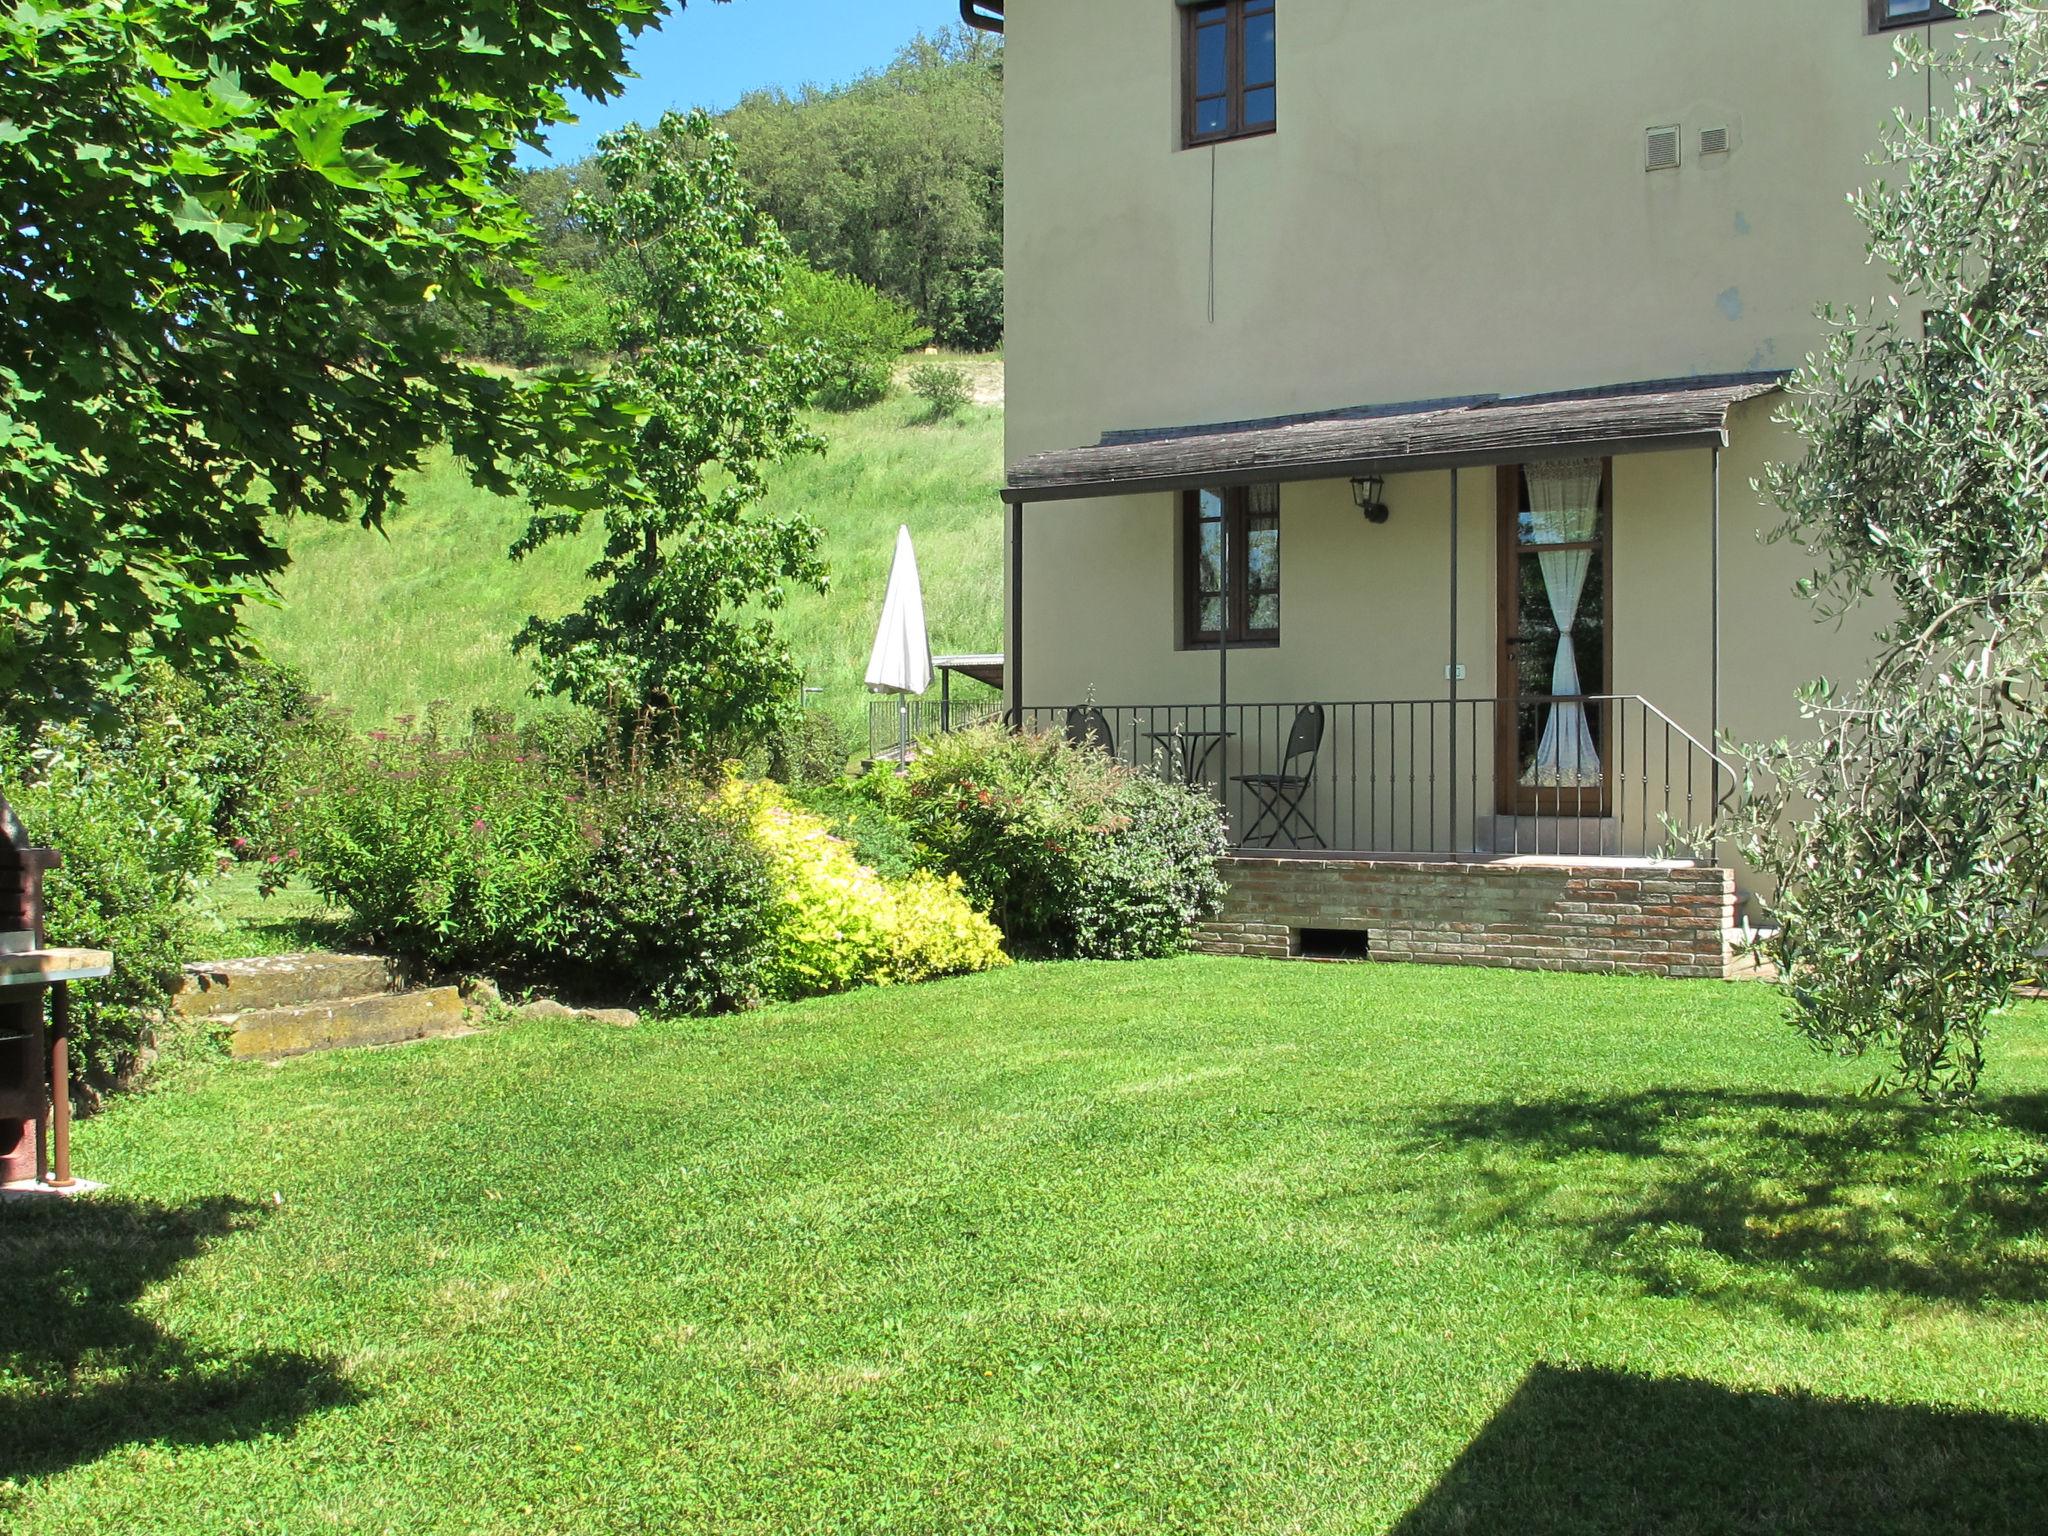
pixel 1230 567
pixel 1231 70
pixel 1885 15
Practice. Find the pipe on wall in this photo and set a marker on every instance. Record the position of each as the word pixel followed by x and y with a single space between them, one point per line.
pixel 983 15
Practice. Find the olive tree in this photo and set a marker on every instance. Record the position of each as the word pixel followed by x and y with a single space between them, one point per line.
pixel 1907 834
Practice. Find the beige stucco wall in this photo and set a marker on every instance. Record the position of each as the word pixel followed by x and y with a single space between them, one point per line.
pixel 1455 203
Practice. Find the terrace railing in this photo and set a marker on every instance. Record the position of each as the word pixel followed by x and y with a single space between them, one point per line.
pixel 1426 776
pixel 925 717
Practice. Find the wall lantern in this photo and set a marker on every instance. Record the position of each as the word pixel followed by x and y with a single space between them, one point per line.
pixel 1369 492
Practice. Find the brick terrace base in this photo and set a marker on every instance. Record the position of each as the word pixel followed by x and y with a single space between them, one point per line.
pixel 1528 914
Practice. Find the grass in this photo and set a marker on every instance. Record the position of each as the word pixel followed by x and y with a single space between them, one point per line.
pixel 1196 1246
pixel 235 920
pixel 387 625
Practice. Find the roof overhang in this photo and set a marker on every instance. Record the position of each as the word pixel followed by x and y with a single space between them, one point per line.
pixel 983 669
pixel 1397 439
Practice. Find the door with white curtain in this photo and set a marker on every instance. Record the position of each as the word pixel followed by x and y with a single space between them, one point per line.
pixel 1554 755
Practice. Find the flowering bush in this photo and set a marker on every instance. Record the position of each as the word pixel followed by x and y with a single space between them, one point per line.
pixel 840 924
pixel 450 852
pixel 482 854
pixel 1157 873
pixel 1075 854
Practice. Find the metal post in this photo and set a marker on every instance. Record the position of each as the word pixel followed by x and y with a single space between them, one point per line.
pixel 1454 662
pixel 1223 675
pixel 1714 705
pixel 1223 632
pixel 1013 664
pixel 945 703
pixel 60 1085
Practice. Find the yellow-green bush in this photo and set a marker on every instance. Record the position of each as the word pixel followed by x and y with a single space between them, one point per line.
pixel 841 925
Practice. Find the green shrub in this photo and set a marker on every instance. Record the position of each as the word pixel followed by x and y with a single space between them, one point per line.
pixel 1074 854
pixel 134 823
pixel 253 728
pixel 860 332
pixel 482 854
pixel 1150 880
pixel 808 748
pixel 843 925
pixel 970 310
pixel 879 839
pixel 573 322
pixel 454 854
pixel 853 383
pixel 675 905
pixel 942 388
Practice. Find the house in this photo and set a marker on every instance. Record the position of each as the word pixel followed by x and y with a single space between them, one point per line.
pixel 1387 389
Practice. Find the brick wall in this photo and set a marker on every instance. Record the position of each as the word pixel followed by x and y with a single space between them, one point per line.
pixel 1529 914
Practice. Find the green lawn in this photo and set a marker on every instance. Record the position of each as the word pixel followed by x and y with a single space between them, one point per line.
pixel 1196 1246
pixel 235 920
pixel 427 611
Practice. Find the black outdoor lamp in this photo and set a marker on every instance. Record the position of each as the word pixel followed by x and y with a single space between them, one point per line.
pixel 1368 491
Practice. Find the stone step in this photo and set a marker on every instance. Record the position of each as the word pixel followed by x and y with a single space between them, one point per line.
pixel 214 989
pixel 384 1018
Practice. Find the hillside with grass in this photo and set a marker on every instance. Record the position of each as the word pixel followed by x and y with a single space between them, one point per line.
pixel 425 611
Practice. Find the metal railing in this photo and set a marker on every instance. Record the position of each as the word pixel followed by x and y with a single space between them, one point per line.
pixel 1427 776
pixel 890 721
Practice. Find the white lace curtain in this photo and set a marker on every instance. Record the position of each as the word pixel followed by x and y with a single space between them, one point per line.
pixel 1564 508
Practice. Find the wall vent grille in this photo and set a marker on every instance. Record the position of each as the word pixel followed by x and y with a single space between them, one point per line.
pixel 1661 149
pixel 1714 141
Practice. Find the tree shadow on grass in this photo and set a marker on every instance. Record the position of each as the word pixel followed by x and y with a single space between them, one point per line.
pixel 1599 1453
pixel 82 1371
pixel 1773 1198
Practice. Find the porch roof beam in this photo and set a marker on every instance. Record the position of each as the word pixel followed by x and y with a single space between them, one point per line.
pixel 1624 419
pixel 1345 469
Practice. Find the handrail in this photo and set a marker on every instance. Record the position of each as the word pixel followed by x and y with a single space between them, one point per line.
pixel 1712 756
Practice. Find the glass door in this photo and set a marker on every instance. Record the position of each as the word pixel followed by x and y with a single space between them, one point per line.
pixel 1556 603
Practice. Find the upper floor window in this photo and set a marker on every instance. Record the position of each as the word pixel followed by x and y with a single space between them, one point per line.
pixel 1886 14
pixel 1229 70
pixel 1230 566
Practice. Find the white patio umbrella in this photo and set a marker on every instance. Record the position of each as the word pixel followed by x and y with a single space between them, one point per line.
pixel 902 660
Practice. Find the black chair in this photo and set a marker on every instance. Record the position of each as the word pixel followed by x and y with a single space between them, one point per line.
pixel 1281 795
pixel 1090 728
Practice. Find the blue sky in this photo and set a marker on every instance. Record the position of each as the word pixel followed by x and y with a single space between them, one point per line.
pixel 711 55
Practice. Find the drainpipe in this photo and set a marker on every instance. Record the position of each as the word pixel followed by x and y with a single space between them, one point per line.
pixel 983 15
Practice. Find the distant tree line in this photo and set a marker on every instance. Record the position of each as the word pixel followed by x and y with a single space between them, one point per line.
pixel 893 183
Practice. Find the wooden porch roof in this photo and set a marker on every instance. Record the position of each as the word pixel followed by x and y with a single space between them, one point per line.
pixel 1396 439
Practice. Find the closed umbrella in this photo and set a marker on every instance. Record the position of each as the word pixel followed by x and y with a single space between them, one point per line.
pixel 902 659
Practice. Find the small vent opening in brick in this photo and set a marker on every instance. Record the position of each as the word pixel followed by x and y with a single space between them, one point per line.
pixel 1332 944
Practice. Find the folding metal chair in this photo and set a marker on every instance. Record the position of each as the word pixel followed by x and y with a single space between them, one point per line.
pixel 1281 795
pixel 1090 728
